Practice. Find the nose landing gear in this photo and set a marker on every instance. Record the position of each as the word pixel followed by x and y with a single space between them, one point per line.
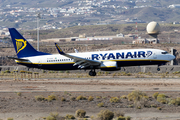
pixel 92 73
pixel 158 69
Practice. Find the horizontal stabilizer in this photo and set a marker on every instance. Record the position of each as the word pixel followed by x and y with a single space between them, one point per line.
pixel 19 59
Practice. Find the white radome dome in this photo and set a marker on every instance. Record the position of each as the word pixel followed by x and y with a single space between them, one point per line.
pixel 153 28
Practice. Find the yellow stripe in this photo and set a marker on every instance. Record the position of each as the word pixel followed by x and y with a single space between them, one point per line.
pixel 58 48
pixel 109 67
pixel 102 60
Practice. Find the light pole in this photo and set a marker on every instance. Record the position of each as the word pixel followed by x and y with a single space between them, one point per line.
pixel 86 47
pixel 38 17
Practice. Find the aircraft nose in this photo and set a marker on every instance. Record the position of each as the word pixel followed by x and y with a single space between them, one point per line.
pixel 172 57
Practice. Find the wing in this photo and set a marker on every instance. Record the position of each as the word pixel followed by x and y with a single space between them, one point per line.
pixel 82 62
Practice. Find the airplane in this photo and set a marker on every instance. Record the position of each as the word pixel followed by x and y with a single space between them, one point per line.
pixel 103 60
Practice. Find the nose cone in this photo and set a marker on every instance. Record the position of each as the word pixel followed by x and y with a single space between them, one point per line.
pixel 172 57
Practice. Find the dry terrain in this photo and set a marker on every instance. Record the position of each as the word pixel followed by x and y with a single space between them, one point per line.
pixel 18 97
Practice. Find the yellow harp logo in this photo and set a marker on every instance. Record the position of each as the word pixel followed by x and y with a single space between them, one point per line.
pixel 20 44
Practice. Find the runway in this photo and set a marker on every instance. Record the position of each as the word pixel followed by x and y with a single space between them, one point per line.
pixel 91 84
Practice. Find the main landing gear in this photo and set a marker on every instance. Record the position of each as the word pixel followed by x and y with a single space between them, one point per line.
pixel 92 73
pixel 158 69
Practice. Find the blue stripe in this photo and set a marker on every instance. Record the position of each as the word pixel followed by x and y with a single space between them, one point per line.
pixel 71 67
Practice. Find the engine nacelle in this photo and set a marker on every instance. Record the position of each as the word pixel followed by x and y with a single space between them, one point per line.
pixel 109 66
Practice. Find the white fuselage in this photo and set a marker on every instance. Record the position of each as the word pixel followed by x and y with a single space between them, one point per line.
pixel 122 57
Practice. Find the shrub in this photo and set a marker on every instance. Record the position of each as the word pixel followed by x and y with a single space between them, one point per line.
pixel 107 73
pixel 81 98
pixel 100 104
pixel 161 95
pixel 72 98
pixel 135 96
pixel 104 97
pixel 146 97
pixel 10 119
pixel 130 106
pixel 114 100
pixel 19 93
pixel 7 71
pixel 50 118
pixel 66 93
pixel 90 98
pixel 98 97
pixel 92 117
pixel 80 113
pixel 153 105
pixel 53 116
pixel 105 115
pixel 123 97
pixel 69 116
pixel 121 118
pixel 118 113
pixel 39 98
pixel 162 99
pixel 128 118
pixel 175 101
pixel 51 97
pixel 22 71
pixel 63 99
pixel 159 108
pixel 176 72
pixel 155 95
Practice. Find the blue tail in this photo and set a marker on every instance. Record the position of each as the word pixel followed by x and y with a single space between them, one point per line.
pixel 22 46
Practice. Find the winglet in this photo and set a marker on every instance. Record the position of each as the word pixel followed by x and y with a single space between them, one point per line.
pixel 59 49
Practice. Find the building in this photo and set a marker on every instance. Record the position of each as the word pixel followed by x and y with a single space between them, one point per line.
pixel 146 41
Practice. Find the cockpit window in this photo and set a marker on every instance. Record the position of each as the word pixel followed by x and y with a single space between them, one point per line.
pixel 165 52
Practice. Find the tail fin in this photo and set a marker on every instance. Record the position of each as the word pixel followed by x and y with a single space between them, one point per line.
pixel 22 46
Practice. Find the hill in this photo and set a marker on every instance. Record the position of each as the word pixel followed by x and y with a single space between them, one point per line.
pixel 153 14
pixel 101 30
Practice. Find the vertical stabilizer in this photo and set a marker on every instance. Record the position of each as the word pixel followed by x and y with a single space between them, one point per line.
pixel 22 46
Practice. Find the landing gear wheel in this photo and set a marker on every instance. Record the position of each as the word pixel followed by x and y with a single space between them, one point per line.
pixel 92 73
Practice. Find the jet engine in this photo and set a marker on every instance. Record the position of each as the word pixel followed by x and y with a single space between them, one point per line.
pixel 109 66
